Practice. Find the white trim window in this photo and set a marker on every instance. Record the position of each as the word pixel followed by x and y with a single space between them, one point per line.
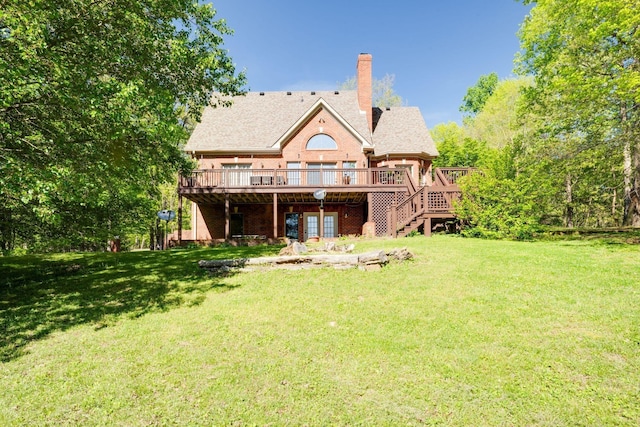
pixel 321 141
pixel 349 177
pixel 237 174
pixel 293 173
pixel 324 176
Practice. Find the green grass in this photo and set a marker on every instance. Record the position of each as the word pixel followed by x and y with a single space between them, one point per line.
pixel 470 332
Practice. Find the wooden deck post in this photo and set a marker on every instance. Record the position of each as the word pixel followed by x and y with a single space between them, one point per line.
pixel 227 217
pixel 179 220
pixel 394 220
pixel 275 215
pixel 321 220
pixel 427 226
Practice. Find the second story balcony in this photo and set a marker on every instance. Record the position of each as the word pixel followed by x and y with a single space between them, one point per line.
pixel 298 185
pixel 349 185
pixel 292 180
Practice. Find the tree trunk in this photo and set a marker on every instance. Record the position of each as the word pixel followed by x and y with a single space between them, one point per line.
pixel 627 171
pixel 631 166
pixel 634 203
pixel 631 215
pixel 569 198
pixel 152 238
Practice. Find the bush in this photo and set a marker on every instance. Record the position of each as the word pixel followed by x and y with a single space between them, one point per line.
pixel 498 208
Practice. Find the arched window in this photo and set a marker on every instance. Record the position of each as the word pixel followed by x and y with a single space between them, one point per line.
pixel 321 141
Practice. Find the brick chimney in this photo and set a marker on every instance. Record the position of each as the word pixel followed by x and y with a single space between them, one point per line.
pixel 365 102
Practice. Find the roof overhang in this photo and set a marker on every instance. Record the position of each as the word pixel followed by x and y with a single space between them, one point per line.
pixel 235 152
pixel 421 155
pixel 302 121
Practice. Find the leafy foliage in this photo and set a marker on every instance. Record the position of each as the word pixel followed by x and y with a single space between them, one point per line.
pixel 499 202
pixel 567 131
pixel 91 93
pixel 455 148
pixel 477 96
pixel 498 124
pixel 584 57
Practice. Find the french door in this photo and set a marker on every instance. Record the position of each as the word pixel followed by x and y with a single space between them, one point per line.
pixel 312 224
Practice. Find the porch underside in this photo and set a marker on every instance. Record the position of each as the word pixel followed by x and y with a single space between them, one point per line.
pixel 251 195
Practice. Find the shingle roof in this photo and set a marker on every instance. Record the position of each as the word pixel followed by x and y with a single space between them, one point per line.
pixel 402 130
pixel 256 121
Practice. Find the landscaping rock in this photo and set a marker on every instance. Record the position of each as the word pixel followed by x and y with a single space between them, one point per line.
pixel 400 254
pixel 296 248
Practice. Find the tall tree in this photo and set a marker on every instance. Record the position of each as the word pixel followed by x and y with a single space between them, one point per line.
pixel 383 93
pixel 496 123
pixel 477 95
pixel 90 94
pixel 584 56
pixel 455 148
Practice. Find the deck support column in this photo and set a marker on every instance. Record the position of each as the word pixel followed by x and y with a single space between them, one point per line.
pixel 370 209
pixel 275 215
pixel 179 220
pixel 392 221
pixel 227 217
pixel 427 226
pixel 321 220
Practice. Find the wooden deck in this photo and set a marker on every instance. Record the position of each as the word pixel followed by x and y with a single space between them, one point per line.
pixel 419 205
pixel 291 185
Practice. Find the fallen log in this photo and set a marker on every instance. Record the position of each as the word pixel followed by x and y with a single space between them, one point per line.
pixel 300 261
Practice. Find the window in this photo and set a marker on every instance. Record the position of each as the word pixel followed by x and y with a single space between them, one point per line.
pixel 293 175
pixel 237 174
pixel 321 177
pixel 330 221
pixel 349 177
pixel 321 141
pixel 312 225
pixel 408 168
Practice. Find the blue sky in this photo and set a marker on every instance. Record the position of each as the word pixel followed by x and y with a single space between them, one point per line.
pixel 436 49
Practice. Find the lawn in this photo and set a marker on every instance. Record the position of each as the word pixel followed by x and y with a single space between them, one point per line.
pixel 471 332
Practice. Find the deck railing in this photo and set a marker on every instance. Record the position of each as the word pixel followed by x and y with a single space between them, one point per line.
pixel 450 176
pixel 427 200
pixel 239 178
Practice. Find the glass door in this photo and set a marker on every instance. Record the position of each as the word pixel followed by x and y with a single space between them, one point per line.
pixel 291 221
pixel 312 224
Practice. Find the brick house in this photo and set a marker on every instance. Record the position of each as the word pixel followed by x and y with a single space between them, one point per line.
pixel 262 161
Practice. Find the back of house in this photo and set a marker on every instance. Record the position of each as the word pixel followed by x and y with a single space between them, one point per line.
pixel 262 160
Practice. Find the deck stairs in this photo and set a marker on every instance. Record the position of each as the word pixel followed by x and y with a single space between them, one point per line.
pixel 427 204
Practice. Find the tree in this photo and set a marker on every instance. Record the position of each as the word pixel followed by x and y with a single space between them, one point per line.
pixel 383 93
pixel 496 123
pixel 477 95
pixel 584 57
pixel 90 94
pixel 455 148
